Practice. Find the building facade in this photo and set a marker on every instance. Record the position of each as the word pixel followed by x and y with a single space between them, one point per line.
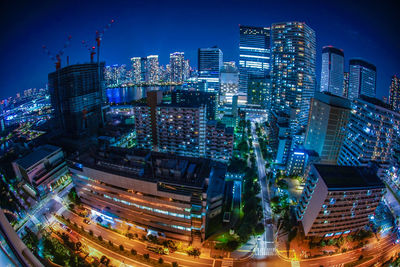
pixel 188 97
pixel 161 194
pixel 210 63
pixel 259 91
pixel 394 93
pixel 229 83
pixel 332 70
pixel 42 168
pixel 219 141
pixel 327 123
pixel 362 79
pixel 338 200
pixel 254 53
pixel 371 133
pixel 293 71
pixel 178 67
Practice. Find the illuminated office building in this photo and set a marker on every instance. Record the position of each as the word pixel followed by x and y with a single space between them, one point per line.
pixel 115 74
pixel 394 93
pixel 362 79
pixel 152 70
pixel 161 194
pixel 332 70
pixel 371 133
pixel 210 63
pixel 259 91
pixel 229 82
pixel 254 54
pixel 187 97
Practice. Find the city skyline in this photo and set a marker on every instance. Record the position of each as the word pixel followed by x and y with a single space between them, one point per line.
pixel 344 29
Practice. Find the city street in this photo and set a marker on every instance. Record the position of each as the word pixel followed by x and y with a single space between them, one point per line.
pixel 139 246
pixel 265 243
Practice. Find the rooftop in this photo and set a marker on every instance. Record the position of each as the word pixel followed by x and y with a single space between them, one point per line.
pixel 349 177
pixel 36 156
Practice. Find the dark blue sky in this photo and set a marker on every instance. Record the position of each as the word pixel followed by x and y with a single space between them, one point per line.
pixel 369 30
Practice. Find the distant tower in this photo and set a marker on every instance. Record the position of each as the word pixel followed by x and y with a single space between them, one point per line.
pixel 394 94
pixel 177 65
pixel 254 54
pixel 332 70
pixel 136 69
pixel 362 79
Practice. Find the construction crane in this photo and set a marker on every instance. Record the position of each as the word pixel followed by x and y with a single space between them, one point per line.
pixel 57 58
pixel 90 48
pixel 99 36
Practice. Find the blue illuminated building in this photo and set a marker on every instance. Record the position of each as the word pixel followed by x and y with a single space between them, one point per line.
pixel 362 79
pixel 210 62
pixel 254 54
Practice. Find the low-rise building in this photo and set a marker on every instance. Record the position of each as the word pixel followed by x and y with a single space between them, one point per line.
pixel 172 196
pixel 42 168
pixel 338 200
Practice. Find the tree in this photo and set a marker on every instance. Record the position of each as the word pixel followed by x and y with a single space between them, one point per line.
pixel 129 235
pixel 259 229
pixel 110 243
pixel 232 245
pixel 146 256
pixel 121 247
pixel 174 264
pixel 91 232
pixel 100 238
pixel 160 261
pixel 133 252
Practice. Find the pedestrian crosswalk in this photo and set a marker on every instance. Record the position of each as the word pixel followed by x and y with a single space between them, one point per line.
pixel 227 263
pixel 295 264
pixel 265 251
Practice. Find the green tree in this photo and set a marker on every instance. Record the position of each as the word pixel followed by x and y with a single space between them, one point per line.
pixel 121 247
pixel 174 264
pixel 100 238
pixel 160 261
pixel 146 256
pixel 133 252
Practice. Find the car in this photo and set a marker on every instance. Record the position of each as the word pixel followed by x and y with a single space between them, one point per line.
pixel 87 221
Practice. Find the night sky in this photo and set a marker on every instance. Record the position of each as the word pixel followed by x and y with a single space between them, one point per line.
pixel 362 29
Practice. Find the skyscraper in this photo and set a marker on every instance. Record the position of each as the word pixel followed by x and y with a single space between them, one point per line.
pixel 371 133
pixel 394 94
pixel 136 69
pixel 362 79
pixel 210 62
pixel 254 53
pixel 346 84
pixel 152 69
pixel 293 71
pixel 177 65
pixel 77 95
pixel 327 122
pixel 332 70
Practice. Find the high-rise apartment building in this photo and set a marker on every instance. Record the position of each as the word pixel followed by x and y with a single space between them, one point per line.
pixel 371 133
pixel 332 70
pixel 346 84
pixel 161 194
pixel 394 93
pixel 152 72
pixel 77 96
pixel 327 123
pixel 219 141
pixel 254 53
pixel 338 200
pixel 229 82
pixel 362 79
pixel 179 127
pixel 136 69
pixel 177 67
pixel 210 63
pixel 115 75
pixel 293 71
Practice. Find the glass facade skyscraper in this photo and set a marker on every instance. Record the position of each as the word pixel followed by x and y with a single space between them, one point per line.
pixel 293 71
pixel 210 62
pixel 362 79
pixel 254 54
pixel 332 70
